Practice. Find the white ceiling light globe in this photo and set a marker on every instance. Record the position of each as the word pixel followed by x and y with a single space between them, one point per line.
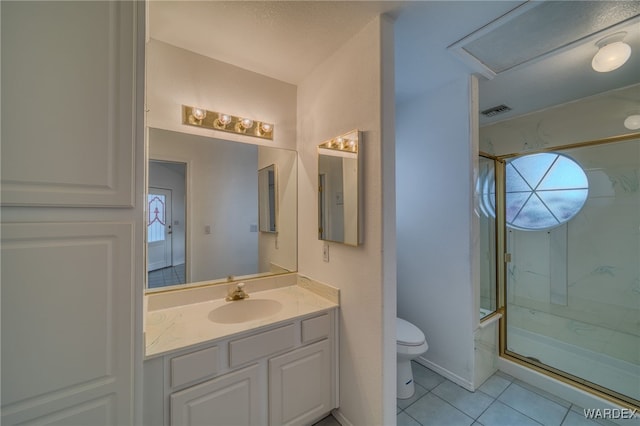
pixel 611 56
pixel 632 122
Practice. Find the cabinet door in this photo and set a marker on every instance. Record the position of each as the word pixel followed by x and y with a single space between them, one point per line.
pixel 300 385
pixel 68 71
pixel 229 400
pixel 66 324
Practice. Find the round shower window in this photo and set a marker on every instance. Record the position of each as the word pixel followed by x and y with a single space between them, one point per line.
pixel 543 191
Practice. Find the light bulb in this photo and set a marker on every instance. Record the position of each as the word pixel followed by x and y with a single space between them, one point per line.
pixel 224 119
pixel 246 123
pixel 632 122
pixel 266 127
pixel 198 113
pixel 611 56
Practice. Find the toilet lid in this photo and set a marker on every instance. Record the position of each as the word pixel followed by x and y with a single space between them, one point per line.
pixel 408 334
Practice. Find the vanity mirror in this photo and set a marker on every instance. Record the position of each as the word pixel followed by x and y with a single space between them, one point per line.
pixel 339 206
pixel 240 209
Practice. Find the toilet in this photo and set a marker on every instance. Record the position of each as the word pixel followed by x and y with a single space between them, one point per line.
pixel 410 343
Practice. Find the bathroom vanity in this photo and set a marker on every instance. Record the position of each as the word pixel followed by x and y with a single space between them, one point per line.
pixel 270 359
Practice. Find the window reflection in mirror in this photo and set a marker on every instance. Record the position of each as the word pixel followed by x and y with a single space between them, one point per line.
pixel 338 190
pixel 221 223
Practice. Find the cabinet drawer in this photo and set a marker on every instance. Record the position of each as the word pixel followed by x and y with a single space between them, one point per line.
pixel 194 366
pixel 315 328
pixel 261 345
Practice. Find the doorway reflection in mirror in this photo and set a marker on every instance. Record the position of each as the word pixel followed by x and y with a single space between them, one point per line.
pixel 165 224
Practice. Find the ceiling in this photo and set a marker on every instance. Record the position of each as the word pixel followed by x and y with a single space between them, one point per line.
pixel 287 39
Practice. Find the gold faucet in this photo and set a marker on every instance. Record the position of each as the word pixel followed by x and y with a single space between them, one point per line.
pixel 236 293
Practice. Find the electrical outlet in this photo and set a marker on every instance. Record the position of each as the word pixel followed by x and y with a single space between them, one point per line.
pixel 325 252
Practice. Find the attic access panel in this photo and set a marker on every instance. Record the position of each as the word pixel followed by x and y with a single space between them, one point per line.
pixel 536 29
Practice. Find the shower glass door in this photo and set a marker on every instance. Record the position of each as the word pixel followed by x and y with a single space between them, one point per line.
pixel 573 282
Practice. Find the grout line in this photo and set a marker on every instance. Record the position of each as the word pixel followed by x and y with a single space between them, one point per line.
pixel 483 411
pixel 442 399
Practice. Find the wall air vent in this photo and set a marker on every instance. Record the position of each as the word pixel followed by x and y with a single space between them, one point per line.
pixel 495 110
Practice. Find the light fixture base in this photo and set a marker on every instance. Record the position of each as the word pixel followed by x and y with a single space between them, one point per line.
pixel 612 38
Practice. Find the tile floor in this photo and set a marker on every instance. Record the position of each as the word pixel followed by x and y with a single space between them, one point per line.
pixel 501 401
pixel 166 276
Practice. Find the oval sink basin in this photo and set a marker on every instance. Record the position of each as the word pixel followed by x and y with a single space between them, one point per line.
pixel 244 310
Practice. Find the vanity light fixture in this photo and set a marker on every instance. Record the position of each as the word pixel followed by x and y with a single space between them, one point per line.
pixel 200 117
pixel 632 122
pixel 612 53
pixel 341 143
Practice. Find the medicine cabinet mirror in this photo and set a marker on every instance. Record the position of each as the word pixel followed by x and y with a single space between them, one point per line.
pixel 234 212
pixel 268 198
pixel 339 192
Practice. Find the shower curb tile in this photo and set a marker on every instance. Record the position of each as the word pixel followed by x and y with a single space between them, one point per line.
pixel 504 375
pixel 533 405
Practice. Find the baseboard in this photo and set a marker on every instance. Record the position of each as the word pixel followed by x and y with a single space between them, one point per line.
pixel 446 373
pixel 341 418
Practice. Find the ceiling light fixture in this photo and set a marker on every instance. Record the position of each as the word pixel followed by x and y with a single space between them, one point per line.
pixel 612 53
pixel 632 122
pixel 200 117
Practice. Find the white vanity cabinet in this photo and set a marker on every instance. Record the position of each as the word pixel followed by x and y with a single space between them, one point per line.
pixel 285 374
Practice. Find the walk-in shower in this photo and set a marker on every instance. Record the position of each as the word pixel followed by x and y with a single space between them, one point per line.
pixel 571 222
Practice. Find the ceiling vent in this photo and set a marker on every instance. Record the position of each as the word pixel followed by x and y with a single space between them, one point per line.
pixel 495 110
pixel 506 43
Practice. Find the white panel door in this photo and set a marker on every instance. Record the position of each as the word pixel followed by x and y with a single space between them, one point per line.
pixel 67 306
pixel 229 400
pixel 67 103
pixel 300 385
pixel 159 233
pixel 71 123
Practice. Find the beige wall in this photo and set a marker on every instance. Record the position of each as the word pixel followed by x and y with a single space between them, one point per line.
pixel 345 92
pixel 176 76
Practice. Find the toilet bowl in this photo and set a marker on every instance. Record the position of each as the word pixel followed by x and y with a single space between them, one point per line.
pixel 410 343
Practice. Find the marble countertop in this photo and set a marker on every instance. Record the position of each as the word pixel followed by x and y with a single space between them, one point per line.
pixel 182 326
